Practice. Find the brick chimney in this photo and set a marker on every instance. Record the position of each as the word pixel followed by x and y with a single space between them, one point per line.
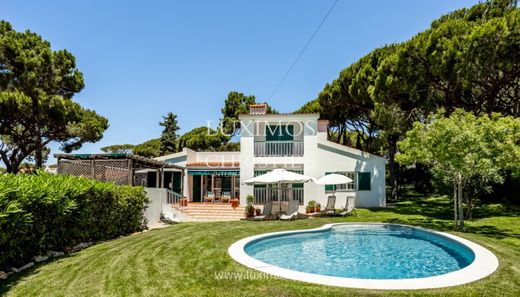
pixel 258 108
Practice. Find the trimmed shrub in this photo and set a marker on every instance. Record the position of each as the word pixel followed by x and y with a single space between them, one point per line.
pixel 43 212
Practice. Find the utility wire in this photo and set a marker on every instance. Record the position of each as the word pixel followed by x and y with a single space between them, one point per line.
pixel 303 49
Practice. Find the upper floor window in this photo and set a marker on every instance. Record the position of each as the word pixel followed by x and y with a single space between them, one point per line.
pixel 279 133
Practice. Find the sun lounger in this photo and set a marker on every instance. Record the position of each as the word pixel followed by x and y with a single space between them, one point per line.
pixel 266 212
pixel 292 211
pixel 350 207
pixel 329 208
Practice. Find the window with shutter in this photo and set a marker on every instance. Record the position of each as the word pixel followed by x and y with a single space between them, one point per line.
pixel 329 188
pixel 279 133
pixel 344 188
pixel 364 181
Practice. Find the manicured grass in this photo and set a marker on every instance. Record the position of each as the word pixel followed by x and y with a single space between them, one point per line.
pixel 182 260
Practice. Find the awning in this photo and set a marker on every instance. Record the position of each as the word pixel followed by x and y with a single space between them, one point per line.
pixel 214 172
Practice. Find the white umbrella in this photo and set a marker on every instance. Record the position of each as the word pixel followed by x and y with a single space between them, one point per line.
pixel 333 179
pixel 278 176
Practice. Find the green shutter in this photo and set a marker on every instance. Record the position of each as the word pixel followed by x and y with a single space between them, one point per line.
pixel 177 185
pixel 329 188
pixel 364 181
pixel 279 133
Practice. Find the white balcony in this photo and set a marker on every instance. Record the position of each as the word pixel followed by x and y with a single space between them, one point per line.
pixel 278 148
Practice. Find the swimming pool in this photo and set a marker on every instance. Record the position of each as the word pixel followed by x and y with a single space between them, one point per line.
pixel 373 255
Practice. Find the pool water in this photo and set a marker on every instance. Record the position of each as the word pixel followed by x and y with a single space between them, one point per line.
pixel 364 251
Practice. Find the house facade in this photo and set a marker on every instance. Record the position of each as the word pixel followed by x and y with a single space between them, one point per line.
pixel 296 142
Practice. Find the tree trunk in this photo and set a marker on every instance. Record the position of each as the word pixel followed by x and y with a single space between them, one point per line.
pixel 38 156
pixel 392 150
pixel 455 204
pixel 459 204
pixel 469 206
pixel 12 167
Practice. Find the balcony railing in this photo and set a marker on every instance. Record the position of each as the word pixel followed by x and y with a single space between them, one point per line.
pixel 278 148
pixel 263 195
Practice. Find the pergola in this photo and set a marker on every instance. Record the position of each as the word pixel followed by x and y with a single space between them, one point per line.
pixel 120 169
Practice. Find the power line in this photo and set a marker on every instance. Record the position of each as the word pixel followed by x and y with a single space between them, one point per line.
pixel 303 50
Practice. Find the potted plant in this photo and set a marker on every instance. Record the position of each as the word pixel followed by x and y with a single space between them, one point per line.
pixel 234 203
pixel 312 206
pixel 318 207
pixel 250 209
pixel 307 209
pixel 258 211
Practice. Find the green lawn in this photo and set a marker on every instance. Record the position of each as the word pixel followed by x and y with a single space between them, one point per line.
pixel 182 260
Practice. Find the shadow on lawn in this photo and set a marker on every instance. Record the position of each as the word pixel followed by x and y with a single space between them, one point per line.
pixel 432 208
pixel 486 230
pixel 437 213
pixel 13 279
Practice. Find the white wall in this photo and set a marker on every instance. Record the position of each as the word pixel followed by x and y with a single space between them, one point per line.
pixel 157 197
pixel 319 160
pixel 316 161
pixel 246 159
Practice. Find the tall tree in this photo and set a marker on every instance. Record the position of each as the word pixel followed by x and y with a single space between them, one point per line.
pixel 468 59
pixel 203 139
pixel 36 89
pixel 118 148
pixel 396 104
pixel 312 106
pixel 30 69
pixel 466 150
pixel 236 104
pixel 150 148
pixel 60 120
pixel 169 143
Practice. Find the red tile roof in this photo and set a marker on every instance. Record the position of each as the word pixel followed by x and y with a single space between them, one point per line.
pixel 213 164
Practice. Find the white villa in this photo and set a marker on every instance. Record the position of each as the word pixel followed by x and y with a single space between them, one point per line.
pixel 296 142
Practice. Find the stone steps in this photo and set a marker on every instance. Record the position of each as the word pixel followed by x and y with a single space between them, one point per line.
pixel 212 212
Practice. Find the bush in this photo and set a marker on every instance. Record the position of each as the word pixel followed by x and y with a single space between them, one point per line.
pixel 43 212
pixel 250 209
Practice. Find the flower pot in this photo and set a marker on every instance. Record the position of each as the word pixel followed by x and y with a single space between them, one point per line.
pixel 258 211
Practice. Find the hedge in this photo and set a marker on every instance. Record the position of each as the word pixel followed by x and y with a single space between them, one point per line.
pixel 44 212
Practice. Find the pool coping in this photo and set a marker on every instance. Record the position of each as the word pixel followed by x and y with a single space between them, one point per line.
pixel 485 263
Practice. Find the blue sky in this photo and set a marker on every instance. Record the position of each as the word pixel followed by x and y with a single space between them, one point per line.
pixel 142 59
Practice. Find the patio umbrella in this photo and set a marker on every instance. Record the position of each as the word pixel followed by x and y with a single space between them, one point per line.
pixel 278 176
pixel 333 179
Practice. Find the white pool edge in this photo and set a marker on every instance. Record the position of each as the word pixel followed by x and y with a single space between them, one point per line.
pixel 485 263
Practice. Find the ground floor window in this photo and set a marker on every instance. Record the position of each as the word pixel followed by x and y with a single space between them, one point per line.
pixel 215 184
pixel 361 182
pixel 284 193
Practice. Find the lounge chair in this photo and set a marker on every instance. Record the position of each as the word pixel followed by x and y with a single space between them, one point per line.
pixel 226 197
pixel 210 197
pixel 266 212
pixel 292 211
pixel 350 207
pixel 329 208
